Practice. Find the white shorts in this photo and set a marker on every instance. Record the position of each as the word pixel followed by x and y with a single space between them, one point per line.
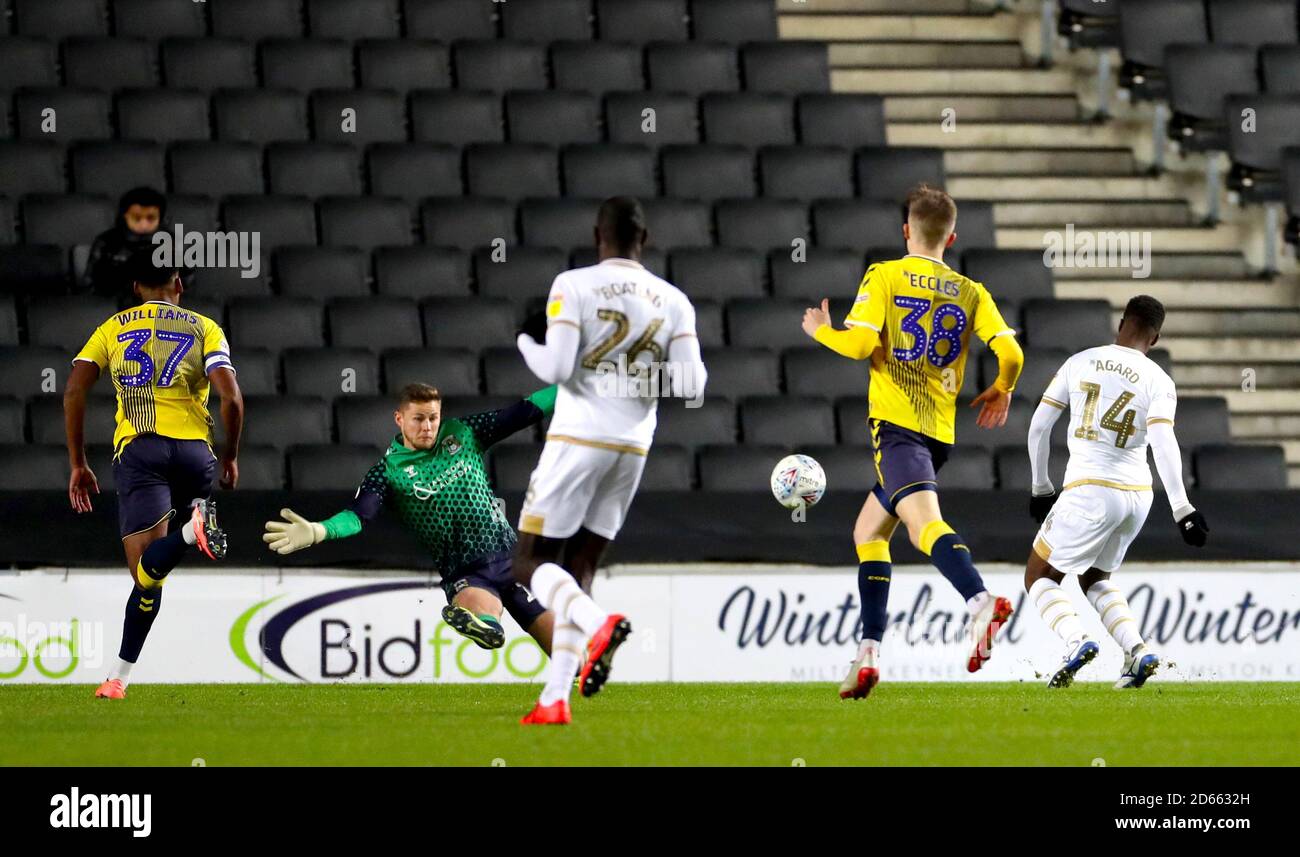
pixel 1091 526
pixel 581 483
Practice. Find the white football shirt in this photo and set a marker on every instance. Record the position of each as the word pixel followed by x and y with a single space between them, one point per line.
pixel 1113 393
pixel 626 317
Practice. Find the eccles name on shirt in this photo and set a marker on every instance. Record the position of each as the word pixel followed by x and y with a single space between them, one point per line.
pixel 934 284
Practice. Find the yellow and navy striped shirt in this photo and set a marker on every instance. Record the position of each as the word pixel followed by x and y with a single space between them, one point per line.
pixel 924 312
pixel 159 356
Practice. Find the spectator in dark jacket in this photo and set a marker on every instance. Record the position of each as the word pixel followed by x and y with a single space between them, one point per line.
pixel 140 214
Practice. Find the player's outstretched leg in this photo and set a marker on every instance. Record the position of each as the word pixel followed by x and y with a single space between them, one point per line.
pixel 1043 583
pixel 1118 620
pixel 557 590
pixel 156 561
pixel 871 533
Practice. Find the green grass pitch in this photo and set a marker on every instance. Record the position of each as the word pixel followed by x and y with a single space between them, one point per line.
pixel 655 724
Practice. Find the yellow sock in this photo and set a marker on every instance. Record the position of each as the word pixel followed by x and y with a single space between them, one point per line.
pixel 931 533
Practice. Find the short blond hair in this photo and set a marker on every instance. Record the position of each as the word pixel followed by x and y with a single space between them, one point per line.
pixel 932 212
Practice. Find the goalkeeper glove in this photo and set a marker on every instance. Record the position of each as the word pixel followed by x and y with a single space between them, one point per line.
pixel 1040 506
pixel 1194 529
pixel 298 533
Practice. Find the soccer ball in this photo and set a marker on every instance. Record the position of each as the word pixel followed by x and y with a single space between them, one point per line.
pixel 798 481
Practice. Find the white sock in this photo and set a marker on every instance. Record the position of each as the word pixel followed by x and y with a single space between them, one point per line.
pixel 187 532
pixel 868 644
pixel 557 591
pixel 566 654
pixel 1116 615
pixel 976 603
pixel 122 672
pixel 1054 606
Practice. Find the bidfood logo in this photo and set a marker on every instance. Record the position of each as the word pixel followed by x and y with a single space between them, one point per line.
pixel 373 632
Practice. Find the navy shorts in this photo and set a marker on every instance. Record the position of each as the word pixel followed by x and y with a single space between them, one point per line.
pixel 157 475
pixel 494 575
pixel 906 461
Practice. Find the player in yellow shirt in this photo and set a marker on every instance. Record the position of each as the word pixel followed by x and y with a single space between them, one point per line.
pixel 912 318
pixel 162 359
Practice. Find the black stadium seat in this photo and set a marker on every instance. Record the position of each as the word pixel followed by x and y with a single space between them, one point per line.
pixel 354 19
pixel 358 116
pixel 422 271
pixel 62 114
pixel 261 468
pixel 823 274
pixel 28 61
pixel 163 115
pixel 25 370
pixel 454 371
pixel 642 20
pixel 847 468
pixel 786 421
pixel 717 273
pixel 258 19
pixel 208 64
pixel 1256 150
pixel 567 222
pixel 322 272
pixel 1200 78
pixel 284 421
pixel 457 117
pixel 708 172
pixel 806 172
pixel 976 228
pixel 1280 68
pixel 668 468
pixel 12 421
pixel 414 171
pixel 259 372
pixel 1146 28
pixel 498 65
pixel 1011 276
pixel 843 119
pixel 856 224
pixel 61 18
pixel 403 64
pixel 28 166
pixel 822 372
pixel 1069 324
pixel 546 20
pixel 1253 23
pixel 330 372
pixel 512 170
pixel 1014 472
pixel 280 220
pixel 65 322
pixel 275 323
pixel 761 224
pixel 735 373
pixel 365 421
pixel 374 323
pixel 735 21
pixel 66 220
pixel 652 118
pixel 365 222
pixel 968 468
pixel 467 223
pixel 216 169
pixel 159 19
pixel 741 468
pixel 313 169
pixel 513 464
pixel 552 117
pixel 692 67
pixel 303 65
pixel 1240 467
pixel 449 20
pixel 109 64
pixel 506 374
pixel 791 67
pixel 8 321
pixel 114 167
pixel 597 67
pixel 766 323
pixel 674 223
pixel 1041 364
pixel 193 211
pixel 467 322
pixel 748 119
pixel 1200 420
pixel 712 422
pixel 889 173
pixel 32 468
pixel 524 275
pixel 1015 431
pixel 260 115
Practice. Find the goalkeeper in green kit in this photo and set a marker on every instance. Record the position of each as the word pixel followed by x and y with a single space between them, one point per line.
pixel 434 477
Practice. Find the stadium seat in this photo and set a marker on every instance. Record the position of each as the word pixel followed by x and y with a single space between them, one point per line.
pixel 968 468
pixel 365 421
pixel 976 228
pixel 1013 467
pixel 738 468
pixel 111 168
pixel 888 173
pixel 713 422
pixel 497 65
pixel 66 322
pixel 45 416
pixel 12 421
pixel 547 20
pixel 847 468
pixel 216 169
pixel 597 67
pixel 761 224
pixel 1089 23
pixel 208 64
pixel 822 372
pixel 8 321
pixel 786 421
pixel 159 19
pixel 32 468
pixel 566 222
pixel 28 61
pixel 1253 23
pixel 512 170
pixel 354 19
pixel 856 224
pixel 642 20
pixel 652 259
pixel 420 272
pixel 330 467
pixel 414 171
pixel 1200 78
pixel 467 322
pixel 668 468
pixel 34 269
pixel 806 172
pixel 1240 467
pixel 66 220
pixel 108 64
pixel 304 65
pixel 456 117
pixel 31 167
pixel 506 374
pixel 767 323
pixel 753 119
pixel 284 421
pixel 792 67
pixel 258 19
pixel 717 273
pixel 601 171
pixel 524 274
pixel 28 371
pixel 735 373
pixel 358 116
pixel 402 65
pixel 77 114
pixel 1256 150
pixel 1201 420
pixel 1146 28
pixel 225 283
pixel 258 371
pixel 1280 68
pixel 374 323
pixel 692 67
pixel 1011 276
pixel 1069 324
pixel 330 373
pixel 58 19
pixel 851 420
pixel 822 274
pixel 454 371
pixel 675 118
pixel 552 117
pixel 708 172
pixel 1041 364
pixel 449 20
pixel 708 324
pixel 467 223
pixel 1015 431
pixel 313 169
pixel 280 220
pixel 275 323
pixel 735 21
pixel 261 468
pixel 322 272
pixel 463 406
pixel 849 120
pixel 674 223
pixel 513 464
pixel 163 115
pixel 260 115
pixel 365 222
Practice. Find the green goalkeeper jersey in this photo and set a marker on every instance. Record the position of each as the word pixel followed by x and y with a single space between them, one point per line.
pixel 443 495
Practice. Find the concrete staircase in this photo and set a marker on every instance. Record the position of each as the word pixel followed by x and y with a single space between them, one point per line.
pixel 1022 137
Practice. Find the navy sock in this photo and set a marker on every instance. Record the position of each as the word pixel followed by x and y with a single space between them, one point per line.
pixel 141 609
pixel 873 589
pixel 951 556
pixel 163 555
